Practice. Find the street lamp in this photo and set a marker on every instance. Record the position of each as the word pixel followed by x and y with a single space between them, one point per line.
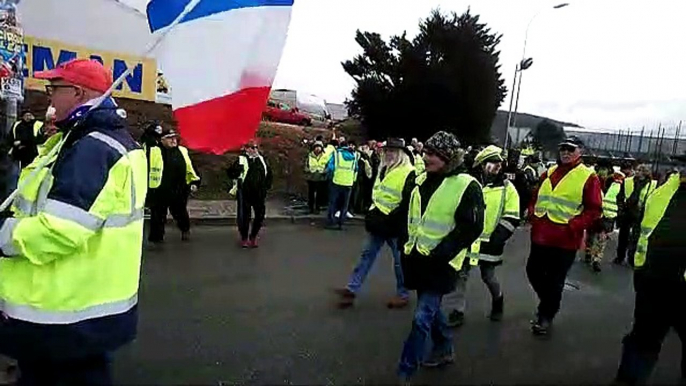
pixel 523 64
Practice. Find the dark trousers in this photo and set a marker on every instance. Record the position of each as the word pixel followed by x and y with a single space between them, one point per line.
pixel 658 308
pixel 623 241
pixel 176 205
pixel 91 371
pixel 316 195
pixel 547 269
pixel 339 199
pixel 248 202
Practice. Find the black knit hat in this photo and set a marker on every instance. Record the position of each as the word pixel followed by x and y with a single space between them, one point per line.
pixel 444 144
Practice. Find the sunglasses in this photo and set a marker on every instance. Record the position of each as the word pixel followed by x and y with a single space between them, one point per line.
pixel 568 148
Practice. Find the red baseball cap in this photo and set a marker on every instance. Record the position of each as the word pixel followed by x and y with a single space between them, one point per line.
pixel 86 73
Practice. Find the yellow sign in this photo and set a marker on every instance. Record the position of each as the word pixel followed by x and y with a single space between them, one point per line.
pixel 42 54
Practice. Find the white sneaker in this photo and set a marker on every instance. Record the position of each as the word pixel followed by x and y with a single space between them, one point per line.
pixel 349 215
pixel 338 214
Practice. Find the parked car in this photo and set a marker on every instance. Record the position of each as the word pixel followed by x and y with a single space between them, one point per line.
pixel 281 112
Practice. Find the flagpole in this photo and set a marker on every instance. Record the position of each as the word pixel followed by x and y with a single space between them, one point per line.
pixel 149 49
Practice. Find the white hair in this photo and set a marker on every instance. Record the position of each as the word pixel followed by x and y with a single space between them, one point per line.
pixel 392 158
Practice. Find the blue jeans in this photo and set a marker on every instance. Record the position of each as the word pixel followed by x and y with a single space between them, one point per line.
pixel 429 322
pixel 369 255
pixel 339 199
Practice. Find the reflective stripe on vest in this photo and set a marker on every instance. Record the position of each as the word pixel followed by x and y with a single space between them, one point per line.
pixel 610 207
pixel 191 175
pixel 501 201
pixel 344 171
pixel 565 201
pixel 655 207
pixel 388 193
pixel 426 230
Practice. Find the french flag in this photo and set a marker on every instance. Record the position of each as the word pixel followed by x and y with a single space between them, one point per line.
pixel 220 61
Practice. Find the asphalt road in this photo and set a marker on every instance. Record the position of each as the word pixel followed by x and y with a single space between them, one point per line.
pixel 214 314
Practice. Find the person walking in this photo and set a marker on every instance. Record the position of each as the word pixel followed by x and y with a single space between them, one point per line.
pixel 631 199
pixel 567 202
pixel 171 180
pixel 659 283
pixel 598 234
pixel 253 180
pixel 501 218
pixel 80 244
pixel 315 174
pixel 342 168
pixel 445 219
pixel 385 221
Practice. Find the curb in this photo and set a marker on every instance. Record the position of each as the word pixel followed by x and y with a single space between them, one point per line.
pixel 276 219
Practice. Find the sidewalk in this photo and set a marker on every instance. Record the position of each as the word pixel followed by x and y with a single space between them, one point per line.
pixel 216 212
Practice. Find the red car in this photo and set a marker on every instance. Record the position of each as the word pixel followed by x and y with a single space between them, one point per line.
pixel 281 112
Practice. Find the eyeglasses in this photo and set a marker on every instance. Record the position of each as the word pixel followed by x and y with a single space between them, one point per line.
pixel 50 88
pixel 568 148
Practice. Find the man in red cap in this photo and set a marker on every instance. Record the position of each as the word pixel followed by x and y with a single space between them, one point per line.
pixel 71 253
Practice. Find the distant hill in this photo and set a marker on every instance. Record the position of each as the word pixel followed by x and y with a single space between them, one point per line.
pixel 523 120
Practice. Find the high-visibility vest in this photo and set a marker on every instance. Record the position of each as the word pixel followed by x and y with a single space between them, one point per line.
pixel 426 230
pixel 37 126
pixel 645 192
pixel 419 165
pixel 157 167
pixel 388 192
pixel 243 161
pixel 529 167
pixel 501 202
pixel 316 164
pixel 71 264
pixel 610 207
pixel 566 200
pixel 655 207
pixel 344 171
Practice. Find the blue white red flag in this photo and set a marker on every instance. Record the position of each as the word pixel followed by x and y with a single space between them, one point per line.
pixel 220 61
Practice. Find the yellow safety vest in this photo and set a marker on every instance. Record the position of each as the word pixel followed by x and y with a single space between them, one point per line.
pixel 419 165
pixel 388 193
pixel 501 202
pixel 37 126
pixel 69 264
pixel 643 196
pixel 157 167
pixel 344 171
pixel 565 201
pixel 317 164
pixel 426 230
pixel 243 161
pixel 610 207
pixel 655 207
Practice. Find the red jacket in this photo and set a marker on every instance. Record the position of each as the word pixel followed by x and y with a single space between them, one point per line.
pixel 567 236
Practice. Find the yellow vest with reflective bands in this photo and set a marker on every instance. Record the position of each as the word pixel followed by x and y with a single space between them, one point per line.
pixel 565 201
pixel 37 126
pixel 610 206
pixel 419 164
pixel 501 202
pixel 317 164
pixel 157 167
pixel 645 192
pixel 243 161
pixel 426 230
pixel 655 207
pixel 388 193
pixel 344 171
pixel 68 264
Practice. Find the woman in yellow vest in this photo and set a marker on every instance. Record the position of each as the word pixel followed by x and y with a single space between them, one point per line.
pixel 385 221
pixel 659 282
pixel 500 220
pixel 315 174
pixel 172 178
pixel 445 219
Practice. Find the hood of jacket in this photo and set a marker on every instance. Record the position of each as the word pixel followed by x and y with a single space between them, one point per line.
pixel 347 154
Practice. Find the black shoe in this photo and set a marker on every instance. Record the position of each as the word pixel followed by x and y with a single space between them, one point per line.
pixel 437 361
pixel 541 327
pixel 596 266
pixel 497 309
pixel 455 319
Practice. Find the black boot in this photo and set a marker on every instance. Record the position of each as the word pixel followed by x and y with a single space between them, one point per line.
pixel 497 306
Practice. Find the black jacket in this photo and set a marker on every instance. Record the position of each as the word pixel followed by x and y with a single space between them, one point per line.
pixel 28 150
pixel 434 272
pixel 496 244
pixel 256 183
pixel 665 260
pixel 394 224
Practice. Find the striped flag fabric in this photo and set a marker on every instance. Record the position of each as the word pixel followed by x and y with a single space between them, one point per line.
pixel 220 60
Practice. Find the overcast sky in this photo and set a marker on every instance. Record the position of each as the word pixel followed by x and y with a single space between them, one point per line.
pixel 600 63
